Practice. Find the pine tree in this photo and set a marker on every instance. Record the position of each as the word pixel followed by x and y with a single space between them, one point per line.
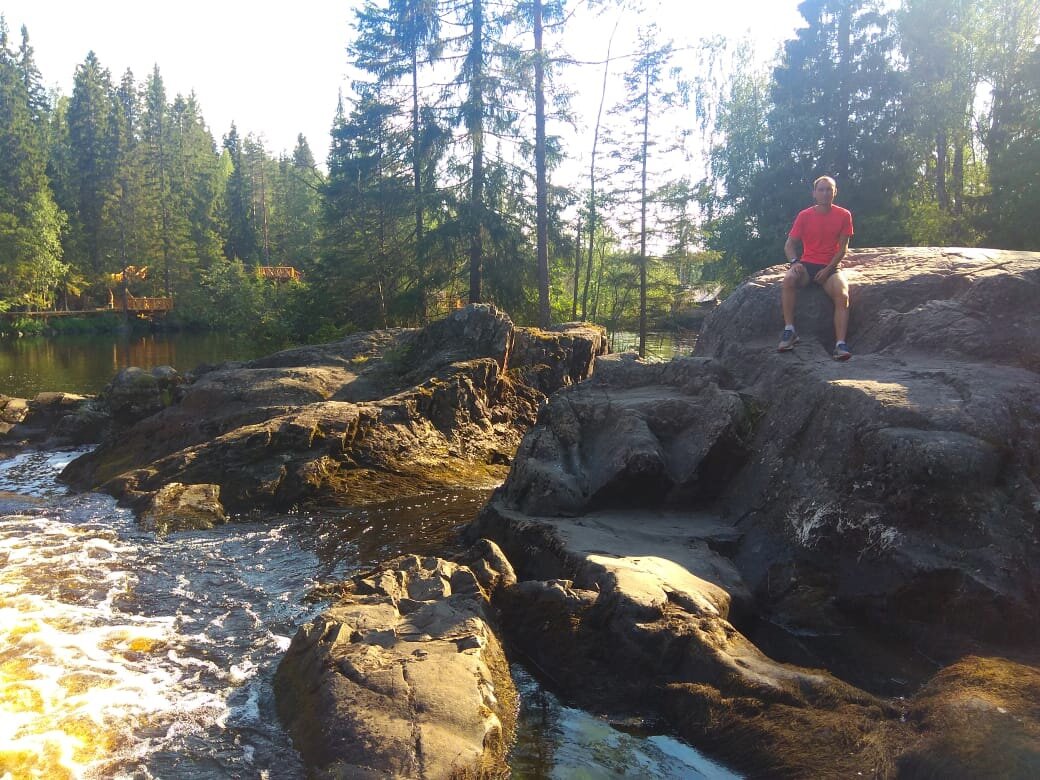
pixel 30 222
pixel 89 115
pixel 650 89
pixel 396 42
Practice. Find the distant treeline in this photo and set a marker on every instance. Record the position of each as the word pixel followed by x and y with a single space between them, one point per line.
pixel 439 184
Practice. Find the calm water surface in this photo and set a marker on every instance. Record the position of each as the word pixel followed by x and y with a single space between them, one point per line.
pixel 85 364
pixel 662 345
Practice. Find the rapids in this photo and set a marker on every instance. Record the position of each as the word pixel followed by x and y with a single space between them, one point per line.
pixel 127 655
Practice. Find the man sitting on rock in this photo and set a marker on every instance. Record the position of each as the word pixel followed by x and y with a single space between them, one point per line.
pixel 824 231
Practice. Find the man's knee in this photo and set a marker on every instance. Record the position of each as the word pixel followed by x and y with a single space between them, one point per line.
pixel 838 290
pixel 793 277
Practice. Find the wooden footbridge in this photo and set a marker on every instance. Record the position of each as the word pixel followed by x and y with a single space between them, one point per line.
pixel 141 308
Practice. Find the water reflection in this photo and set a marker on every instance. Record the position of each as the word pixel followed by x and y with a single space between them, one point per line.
pixel 85 364
pixel 662 345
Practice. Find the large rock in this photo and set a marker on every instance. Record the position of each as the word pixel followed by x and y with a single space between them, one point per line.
pixel 630 611
pixel 381 414
pixel 177 507
pixel 845 512
pixel 134 393
pixel 901 486
pixel 46 419
pixel 403 676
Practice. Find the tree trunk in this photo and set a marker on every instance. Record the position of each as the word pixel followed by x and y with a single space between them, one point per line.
pixel 541 199
pixel 592 176
pixel 475 126
pixel 642 216
pixel 164 208
pixel 842 135
pixel 958 178
pixel 420 251
pixel 577 271
pixel 940 171
pixel 263 212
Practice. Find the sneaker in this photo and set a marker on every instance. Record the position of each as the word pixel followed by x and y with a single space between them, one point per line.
pixel 787 340
pixel 841 351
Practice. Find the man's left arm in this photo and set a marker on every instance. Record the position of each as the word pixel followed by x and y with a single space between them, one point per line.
pixel 843 247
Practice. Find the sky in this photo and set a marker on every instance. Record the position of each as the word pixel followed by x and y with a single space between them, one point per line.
pixel 276 69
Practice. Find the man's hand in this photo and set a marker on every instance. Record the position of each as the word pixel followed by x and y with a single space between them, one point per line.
pixel 823 274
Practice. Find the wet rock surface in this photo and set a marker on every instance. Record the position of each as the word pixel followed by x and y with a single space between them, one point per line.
pixel 404 676
pixel 177 507
pixel 39 421
pixel 661 518
pixel 56 419
pixel 378 415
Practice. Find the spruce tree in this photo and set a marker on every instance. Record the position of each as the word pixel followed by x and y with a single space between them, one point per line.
pixel 836 109
pixel 396 43
pixel 240 240
pixel 30 222
pixel 651 87
pixel 92 158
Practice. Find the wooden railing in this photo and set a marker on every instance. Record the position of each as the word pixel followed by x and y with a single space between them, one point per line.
pixel 280 273
pixel 148 304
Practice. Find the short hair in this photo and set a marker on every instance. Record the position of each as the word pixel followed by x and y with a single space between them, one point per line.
pixel 834 184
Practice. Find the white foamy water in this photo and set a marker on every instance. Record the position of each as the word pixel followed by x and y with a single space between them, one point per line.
pixel 123 655
pixel 132 657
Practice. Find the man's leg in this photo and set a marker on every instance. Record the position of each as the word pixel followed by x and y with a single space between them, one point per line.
pixel 837 287
pixel 795 277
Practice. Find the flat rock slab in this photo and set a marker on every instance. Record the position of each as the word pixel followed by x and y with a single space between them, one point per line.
pixel 402 677
pixel 656 552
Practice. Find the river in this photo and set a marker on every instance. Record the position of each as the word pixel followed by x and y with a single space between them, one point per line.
pixel 85 364
pixel 128 655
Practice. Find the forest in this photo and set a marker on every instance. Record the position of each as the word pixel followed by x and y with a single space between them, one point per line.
pixel 441 178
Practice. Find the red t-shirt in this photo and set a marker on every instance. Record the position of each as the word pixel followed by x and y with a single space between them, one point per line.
pixel 820 233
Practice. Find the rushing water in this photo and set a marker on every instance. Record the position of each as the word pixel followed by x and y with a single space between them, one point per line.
pixel 127 655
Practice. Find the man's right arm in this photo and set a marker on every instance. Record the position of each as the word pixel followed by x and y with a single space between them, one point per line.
pixel 790 249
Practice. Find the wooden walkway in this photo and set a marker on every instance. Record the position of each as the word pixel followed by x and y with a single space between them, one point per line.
pixel 145 308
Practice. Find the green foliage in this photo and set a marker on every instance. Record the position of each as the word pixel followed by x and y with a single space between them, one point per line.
pixel 927 116
pixel 22 326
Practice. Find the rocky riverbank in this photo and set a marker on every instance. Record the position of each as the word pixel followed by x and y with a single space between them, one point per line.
pixel 805 568
pixel 379 415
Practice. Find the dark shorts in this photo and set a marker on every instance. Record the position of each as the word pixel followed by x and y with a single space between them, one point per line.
pixel 811 268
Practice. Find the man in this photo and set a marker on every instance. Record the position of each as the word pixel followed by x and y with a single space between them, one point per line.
pixel 823 231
